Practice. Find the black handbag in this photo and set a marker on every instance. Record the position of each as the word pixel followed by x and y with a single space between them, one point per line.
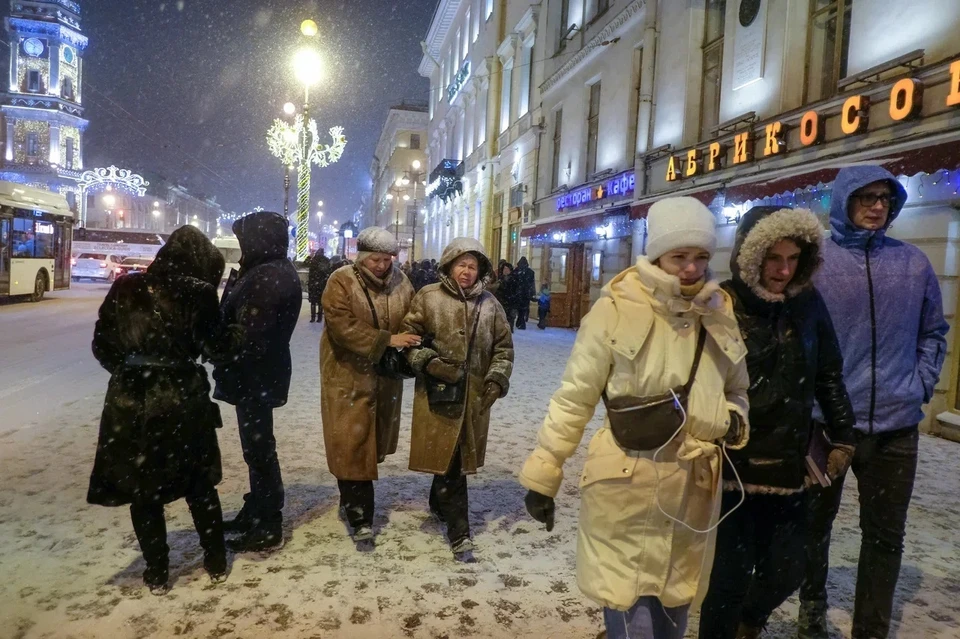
pixel 647 423
pixel 392 364
pixel 441 393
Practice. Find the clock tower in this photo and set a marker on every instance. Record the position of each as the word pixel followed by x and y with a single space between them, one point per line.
pixel 41 112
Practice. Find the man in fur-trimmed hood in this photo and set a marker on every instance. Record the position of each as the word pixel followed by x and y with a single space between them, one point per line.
pixel 792 358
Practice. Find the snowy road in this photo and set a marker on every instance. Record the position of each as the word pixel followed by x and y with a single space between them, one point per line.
pixel 72 570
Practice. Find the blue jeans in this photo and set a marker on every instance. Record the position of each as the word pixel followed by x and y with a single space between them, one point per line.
pixel 647 619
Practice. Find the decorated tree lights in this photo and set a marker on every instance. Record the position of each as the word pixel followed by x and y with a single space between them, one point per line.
pixel 303 137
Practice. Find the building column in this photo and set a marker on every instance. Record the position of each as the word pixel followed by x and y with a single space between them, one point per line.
pixel 10 140
pixel 53 82
pixel 54 143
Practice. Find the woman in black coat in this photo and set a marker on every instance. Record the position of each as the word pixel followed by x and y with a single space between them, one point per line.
pixel 158 439
pixel 793 359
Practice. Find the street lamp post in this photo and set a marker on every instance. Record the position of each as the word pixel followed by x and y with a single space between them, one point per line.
pixel 289 109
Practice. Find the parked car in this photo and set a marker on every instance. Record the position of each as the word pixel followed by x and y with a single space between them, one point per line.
pixel 131 265
pixel 95 266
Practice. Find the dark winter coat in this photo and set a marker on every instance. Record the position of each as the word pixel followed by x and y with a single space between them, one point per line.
pixel 506 288
pixel 158 427
pixel 885 301
pixel 447 313
pixel 360 410
pixel 265 299
pixel 792 354
pixel 425 276
pixel 318 274
pixel 526 283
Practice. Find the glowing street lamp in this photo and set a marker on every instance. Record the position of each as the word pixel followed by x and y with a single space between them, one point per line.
pixel 309 28
pixel 289 108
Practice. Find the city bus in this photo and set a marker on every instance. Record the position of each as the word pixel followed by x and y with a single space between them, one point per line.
pixel 36 229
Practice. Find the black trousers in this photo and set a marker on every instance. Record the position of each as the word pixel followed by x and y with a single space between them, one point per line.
pixel 150 526
pixel 542 324
pixel 523 315
pixel 885 466
pixel 758 564
pixel 265 499
pixel 316 311
pixel 356 499
pixel 448 496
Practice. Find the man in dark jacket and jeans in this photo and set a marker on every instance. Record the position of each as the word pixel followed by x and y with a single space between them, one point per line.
pixel 884 299
pixel 317 275
pixel 526 291
pixel 265 299
pixel 793 358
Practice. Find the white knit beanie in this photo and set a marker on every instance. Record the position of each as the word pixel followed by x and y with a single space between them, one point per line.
pixel 679 222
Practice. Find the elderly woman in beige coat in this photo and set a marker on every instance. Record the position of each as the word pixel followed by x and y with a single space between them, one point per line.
pixel 466 339
pixel 360 410
pixel 643 549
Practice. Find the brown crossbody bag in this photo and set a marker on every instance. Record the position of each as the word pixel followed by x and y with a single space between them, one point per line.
pixel 647 423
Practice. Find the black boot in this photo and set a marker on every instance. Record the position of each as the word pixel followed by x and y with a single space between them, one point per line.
pixel 261 538
pixel 243 520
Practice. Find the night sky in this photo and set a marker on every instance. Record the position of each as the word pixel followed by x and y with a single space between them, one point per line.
pixel 189 88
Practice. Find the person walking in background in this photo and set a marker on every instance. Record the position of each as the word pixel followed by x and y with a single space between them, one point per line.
pixel 649 495
pixel 505 289
pixel 792 358
pixel 359 408
pixel 464 366
pixel 526 291
pixel 884 298
pixel 316 281
pixel 265 298
pixel 543 306
pixel 158 440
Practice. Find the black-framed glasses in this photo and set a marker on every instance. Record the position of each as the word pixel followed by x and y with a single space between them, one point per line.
pixel 870 199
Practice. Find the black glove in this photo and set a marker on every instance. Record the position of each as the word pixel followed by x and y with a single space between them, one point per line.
pixel 444 371
pixel 491 393
pixel 540 508
pixel 734 435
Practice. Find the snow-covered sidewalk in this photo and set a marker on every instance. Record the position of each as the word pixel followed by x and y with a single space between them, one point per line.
pixel 72 570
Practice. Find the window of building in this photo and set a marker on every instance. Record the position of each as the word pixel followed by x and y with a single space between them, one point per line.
pixel 475 26
pixel 415 141
pixel 489 9
pixel 593 129
pixel 68 161
pixel 466 34
pixel 457 55
pixel 443 82
pixel 526 77
pixel 828 46
pixel 505 82
pixel 482 118
pixel 712 67
pixel 33 81
pixel 602 6
pixel 564 24
pixel 66 88
pixel 557 134
pixel 33 146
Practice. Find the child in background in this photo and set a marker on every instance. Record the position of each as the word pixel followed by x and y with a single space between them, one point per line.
pixel 543 305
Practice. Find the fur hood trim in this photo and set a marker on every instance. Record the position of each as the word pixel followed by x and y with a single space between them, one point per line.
pixel 752 247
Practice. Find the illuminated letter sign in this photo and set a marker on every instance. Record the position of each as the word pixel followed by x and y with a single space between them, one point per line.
pixel 672 173
pixel 693 163
pixel 954 98
pixel 906 99
pixel 853 117
pixel 743 147
pixel 717 151
pixel 810 130
pixel 620 185
pixel 776 139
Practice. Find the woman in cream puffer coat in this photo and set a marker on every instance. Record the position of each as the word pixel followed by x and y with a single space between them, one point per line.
pixel 639 339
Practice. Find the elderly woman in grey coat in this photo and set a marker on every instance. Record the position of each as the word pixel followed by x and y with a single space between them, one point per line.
pixel 466 344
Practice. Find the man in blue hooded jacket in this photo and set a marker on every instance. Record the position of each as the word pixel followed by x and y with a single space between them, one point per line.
pixel 884 299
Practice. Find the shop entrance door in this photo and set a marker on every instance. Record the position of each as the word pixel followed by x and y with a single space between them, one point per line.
pixel 5 246
pixel 565 270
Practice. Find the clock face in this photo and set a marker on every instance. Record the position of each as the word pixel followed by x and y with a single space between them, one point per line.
pixel 33 47
pixel 68 56
pixel 748 11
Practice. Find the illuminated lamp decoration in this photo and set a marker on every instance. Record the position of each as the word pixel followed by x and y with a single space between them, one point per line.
pixel 446 181
pixel 122 179
pixel 300 145
pixel 612 227
pixel 616 187
pixel 459 81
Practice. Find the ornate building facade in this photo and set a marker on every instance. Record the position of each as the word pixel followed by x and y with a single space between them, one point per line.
pixel 41 112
